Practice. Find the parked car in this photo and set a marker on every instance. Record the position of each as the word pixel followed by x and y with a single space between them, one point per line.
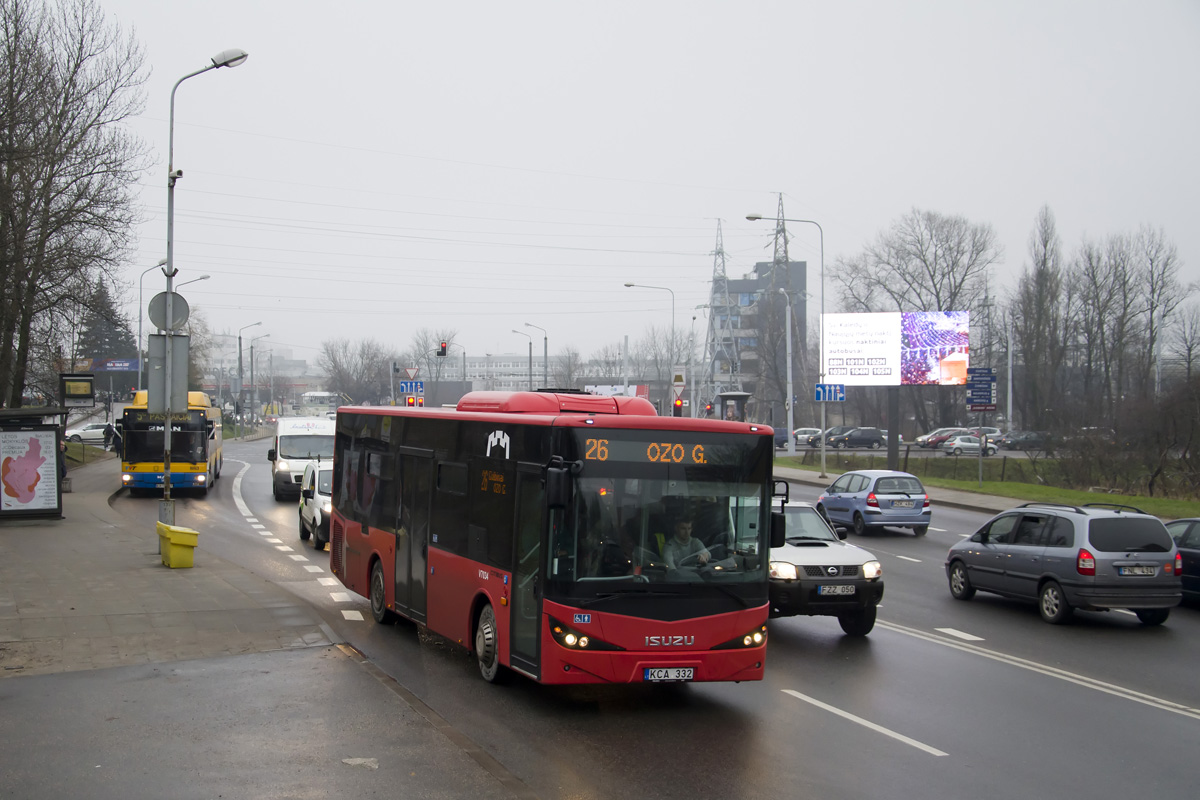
pixel 815 440
pixel 966 445
pixel 1023 440
pixel 899 436
pixel 781 438
pixel 935 442
pixel 802 434
pixel 316 486
pixel 92 433
pixel 992 434
pixel 1186 533
pixel 858 437
pixel 923 440
pixel 876 498
pixel 1095 557
pixel 817 574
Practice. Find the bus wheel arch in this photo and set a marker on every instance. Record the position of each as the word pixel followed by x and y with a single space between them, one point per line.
pixel 378 594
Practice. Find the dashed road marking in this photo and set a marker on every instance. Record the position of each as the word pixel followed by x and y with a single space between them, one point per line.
pixel 340 597
pixel 315 568
pixel 865 723
pixel 1125 611
pixel 966 637
pixel 298 558
pixel 355 615
pixel 327 581
pixel 258 526
pixel 283 548
pixel 273 540
pixel 914 560
pixel 939 530
pixel 265 533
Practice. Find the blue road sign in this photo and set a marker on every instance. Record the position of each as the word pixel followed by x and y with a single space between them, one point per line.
pixel 410 387
pixel 830 393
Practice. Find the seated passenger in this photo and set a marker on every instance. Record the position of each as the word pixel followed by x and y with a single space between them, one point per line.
pixel 682 550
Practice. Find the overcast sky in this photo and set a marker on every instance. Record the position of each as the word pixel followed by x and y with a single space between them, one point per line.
pixel 378 167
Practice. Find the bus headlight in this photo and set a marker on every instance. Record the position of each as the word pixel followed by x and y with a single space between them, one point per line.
pixel 126 478
pixel 574 640
pixel 201 478
pixel 754 638
pixel 872 570
pixel 783 571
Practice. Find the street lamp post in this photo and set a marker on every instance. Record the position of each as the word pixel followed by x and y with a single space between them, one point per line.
pixel 226 58
pixel 253 386
pixel 671 337
pixel 530 337
pixel 787 406
pixel 545 354
pixel 820 328
pixel 241 401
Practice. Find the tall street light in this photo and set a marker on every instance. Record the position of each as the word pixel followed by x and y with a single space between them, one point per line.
pixel 545 354
pixel 530 337
pixel 242 386
pixel 821 326
pixel 226 58
pixel 253 385
pixel 142 313
pixel 671 338
pixel 791 422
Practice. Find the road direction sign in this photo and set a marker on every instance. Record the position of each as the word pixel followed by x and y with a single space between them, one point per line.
pixel 410 387
pixel 830 393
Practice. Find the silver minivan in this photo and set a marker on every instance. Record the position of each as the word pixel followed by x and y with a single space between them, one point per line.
pixel 1095 557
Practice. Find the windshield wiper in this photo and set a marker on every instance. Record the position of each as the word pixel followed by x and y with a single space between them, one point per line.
pixel 729 591
pixel 614 593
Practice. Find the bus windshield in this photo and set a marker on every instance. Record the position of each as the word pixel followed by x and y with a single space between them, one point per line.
pixel 143 445
pixel 647 531
pixel 306 446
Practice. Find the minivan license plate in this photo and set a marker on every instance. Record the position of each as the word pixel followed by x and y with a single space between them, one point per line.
pixel 1136 570
pixel 656 674
pixel 844 588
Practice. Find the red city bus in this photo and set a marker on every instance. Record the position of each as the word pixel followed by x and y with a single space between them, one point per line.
pixel 541 530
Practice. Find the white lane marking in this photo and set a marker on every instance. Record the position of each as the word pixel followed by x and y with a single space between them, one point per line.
pixel 273 540
pixel 1053 672
pixel 914 560
pixel 251 519
pixel 866 723
pixel 939 530
pixel 283 548
pixel 265 533
pixel 966 637
pixel 258 527
pixel 352 615
pixel 298 558
pixel 315 568
pixel 963 535
pixel 242 508
pixel 340 597
pixel 1125 611
pixel 327 581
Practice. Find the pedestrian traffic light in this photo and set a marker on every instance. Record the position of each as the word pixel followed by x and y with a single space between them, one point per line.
pixel 410 401
pixel 678 412
pixel 442 349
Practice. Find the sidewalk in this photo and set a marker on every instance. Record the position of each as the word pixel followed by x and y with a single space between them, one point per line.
pixel 90 591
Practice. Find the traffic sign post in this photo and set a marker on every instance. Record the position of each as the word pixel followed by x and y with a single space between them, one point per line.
pixel 981 388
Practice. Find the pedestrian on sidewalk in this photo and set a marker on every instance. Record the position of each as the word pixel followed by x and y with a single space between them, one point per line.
pixel 62 458
pixel 108 435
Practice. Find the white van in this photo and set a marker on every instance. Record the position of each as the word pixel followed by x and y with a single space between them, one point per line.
pixel 299 441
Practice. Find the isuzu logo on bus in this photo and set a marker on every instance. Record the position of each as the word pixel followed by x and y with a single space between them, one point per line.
pixel 498 439
pixel 669 641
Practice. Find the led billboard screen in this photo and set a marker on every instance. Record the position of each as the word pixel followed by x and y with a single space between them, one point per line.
pixel 897 348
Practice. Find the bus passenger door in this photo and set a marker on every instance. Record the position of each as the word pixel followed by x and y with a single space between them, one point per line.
pixel 412 534
pixel 526 610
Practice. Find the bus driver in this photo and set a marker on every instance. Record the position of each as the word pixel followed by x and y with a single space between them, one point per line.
pixel 682 550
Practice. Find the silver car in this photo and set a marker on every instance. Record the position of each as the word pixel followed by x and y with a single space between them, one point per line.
pixel 1095 557
pixel 876 498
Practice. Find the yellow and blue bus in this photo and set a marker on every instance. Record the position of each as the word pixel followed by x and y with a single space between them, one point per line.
pixel 195 445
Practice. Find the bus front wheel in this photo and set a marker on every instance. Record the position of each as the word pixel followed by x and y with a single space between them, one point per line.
pixel 487 647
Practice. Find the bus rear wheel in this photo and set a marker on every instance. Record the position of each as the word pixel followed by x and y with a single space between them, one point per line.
pixel 379 609
pixel 487 647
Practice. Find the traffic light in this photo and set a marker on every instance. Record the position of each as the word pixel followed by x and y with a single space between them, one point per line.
pixel 410 401
pixel 678 412
pixel 442 350
pixel 708 409
pixel 420 402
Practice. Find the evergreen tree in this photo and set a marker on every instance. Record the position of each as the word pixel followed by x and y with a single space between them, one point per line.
pixel 104 332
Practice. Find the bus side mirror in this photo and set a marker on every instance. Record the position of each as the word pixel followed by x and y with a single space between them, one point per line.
pixel 558 487
pixel 212 429
pixel 778 529
pixel 271 454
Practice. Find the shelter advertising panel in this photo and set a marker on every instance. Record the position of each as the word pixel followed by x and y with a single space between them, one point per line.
pixel 29 473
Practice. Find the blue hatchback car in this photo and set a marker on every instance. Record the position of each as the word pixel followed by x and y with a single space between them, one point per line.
pixel 876 498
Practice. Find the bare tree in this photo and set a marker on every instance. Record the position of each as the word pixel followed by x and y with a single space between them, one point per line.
pixel 568 369
pixel 360 370
pixel 1159 266
pixel 69 83
pixel 1186 342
